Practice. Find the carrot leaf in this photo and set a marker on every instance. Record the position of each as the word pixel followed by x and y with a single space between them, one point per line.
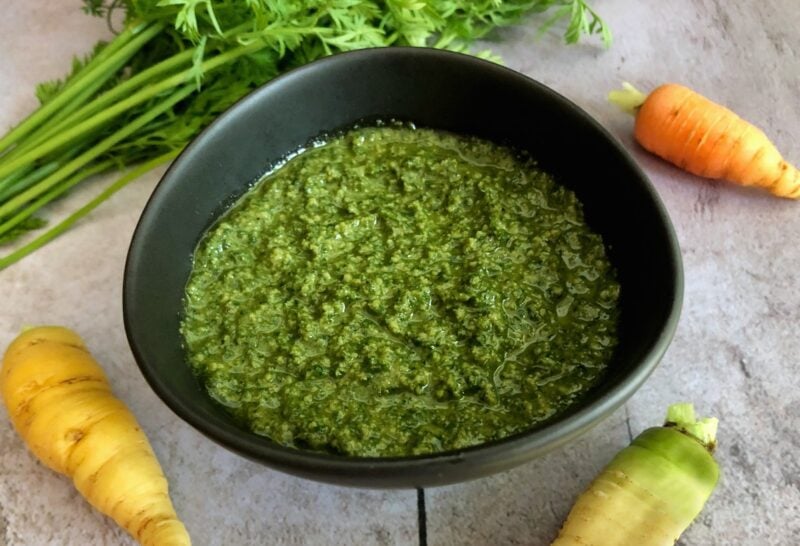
pixel 104 109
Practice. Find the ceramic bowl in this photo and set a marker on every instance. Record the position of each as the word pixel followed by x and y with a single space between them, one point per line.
pixel 434 89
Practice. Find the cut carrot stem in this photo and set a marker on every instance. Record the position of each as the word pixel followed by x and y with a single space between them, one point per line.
pixel 629 99
pixel 681 416
pixel 706 139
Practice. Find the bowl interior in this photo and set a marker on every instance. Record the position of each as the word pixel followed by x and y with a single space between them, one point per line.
pixel 432 89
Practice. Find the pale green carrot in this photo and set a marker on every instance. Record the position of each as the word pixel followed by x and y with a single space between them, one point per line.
pixel 652 490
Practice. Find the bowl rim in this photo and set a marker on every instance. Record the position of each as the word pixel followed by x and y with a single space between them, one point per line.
pixel 496 455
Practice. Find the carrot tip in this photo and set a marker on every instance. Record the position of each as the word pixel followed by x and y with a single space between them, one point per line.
pixel 628 98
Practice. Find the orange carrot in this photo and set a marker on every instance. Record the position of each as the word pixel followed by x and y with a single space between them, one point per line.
pixel 706 139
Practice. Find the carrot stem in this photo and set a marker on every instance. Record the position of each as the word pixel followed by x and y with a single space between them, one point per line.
pixel 95 151
pixel 682 418
pixel 65 224
pixel 629 99
pixel 102 67
pixel 57 191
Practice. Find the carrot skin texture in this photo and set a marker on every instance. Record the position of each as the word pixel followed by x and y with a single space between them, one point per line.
pixel 709 140
pixel 646 496
pixel 60 402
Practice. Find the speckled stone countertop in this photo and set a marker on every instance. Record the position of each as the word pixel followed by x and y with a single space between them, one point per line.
pixel 735 353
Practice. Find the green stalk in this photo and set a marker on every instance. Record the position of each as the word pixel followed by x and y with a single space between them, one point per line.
pixel 142 35
pixel 57 125
pixel 628 99
pixel 41 133
pixel 67 223
pixel 14 177
pixel 110 49
pixel 77 131
pixel 55 192
pixel 33 173
pixel 31 193
pixel 28 180
pixel 124 89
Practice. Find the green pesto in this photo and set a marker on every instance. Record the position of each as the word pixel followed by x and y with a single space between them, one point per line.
pixel 400 291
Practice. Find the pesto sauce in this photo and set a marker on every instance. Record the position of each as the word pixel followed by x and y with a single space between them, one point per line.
pixel 400 291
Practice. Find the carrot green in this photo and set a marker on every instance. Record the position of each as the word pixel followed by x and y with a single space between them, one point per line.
pixel 177 64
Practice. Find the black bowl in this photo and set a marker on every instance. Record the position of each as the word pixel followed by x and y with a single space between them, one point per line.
pixel 433 89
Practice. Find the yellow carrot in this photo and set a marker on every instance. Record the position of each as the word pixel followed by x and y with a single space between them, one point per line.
pixel 707 139
pixel 60 402
pixel 652 490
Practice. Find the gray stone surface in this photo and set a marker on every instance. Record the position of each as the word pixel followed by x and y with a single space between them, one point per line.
pixel 735 353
